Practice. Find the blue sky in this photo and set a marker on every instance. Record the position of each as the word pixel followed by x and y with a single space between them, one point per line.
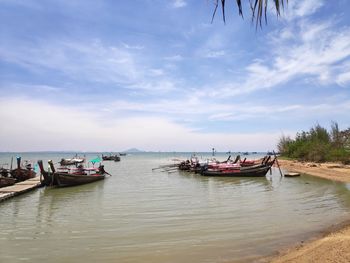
pixel 158 75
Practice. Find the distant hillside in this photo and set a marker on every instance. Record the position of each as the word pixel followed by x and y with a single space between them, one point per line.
pixel 133 150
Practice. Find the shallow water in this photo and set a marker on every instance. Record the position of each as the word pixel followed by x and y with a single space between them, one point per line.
pixel 140 215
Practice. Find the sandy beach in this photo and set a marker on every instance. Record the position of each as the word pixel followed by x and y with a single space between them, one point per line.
pixel 333 245
pixel 332 171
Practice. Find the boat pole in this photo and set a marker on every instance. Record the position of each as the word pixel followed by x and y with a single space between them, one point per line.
pixel 18 162
pixel 52 166
pixel 278 165
pixel 41 167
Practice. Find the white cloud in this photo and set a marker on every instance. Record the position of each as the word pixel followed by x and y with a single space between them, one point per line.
pixel 343 79
pixel 159 86
pixel 179 3
pixel 297 9
pixel 91 60
pixel 156 72
pixel 193 109
pixel 136 47
pixel 305 49
pixel 281 112
pixel 174 58
pixel 215 54
pixel 54 127
pixel 316 51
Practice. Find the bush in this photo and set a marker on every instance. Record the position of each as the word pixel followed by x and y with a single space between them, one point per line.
pixel 317 145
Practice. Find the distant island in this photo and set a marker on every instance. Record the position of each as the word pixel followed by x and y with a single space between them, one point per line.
pixel 132 150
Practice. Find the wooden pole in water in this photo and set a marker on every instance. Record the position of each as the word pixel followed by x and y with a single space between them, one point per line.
pixel 278 165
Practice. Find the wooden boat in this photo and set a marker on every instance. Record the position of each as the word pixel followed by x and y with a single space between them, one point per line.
pixel 194 165
pixel 247 163
pixel 4 172
pixel 240 172
pixel 66 179
pixel 22 174
pixel 115 158
pixel 291 174
pixel 236 170
pixel 7 181
pixel 71 176
pixel 72 161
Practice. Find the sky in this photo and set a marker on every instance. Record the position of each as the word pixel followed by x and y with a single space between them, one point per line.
pixel 160 76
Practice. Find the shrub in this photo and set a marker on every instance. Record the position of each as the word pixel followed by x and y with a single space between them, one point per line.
pixel 317 145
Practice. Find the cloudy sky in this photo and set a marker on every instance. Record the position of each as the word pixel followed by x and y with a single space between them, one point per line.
pixel 158 75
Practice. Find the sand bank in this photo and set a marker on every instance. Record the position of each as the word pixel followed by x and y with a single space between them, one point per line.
pixel 331 171
pixel 334 244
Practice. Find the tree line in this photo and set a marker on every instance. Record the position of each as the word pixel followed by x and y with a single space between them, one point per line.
pixel 318 145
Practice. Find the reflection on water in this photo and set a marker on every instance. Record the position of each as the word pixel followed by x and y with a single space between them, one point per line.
pixel 140 215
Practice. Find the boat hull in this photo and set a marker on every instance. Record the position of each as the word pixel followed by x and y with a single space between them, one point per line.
pixel 73 161
pixel 111 158
pixel 7 181
pixel 64 180
pixel 252 172
pixel 22 174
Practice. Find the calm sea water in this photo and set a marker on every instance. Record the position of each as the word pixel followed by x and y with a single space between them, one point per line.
pixel 140 215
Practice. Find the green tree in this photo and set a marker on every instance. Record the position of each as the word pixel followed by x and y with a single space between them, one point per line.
pixel 283 144
pixel 318 145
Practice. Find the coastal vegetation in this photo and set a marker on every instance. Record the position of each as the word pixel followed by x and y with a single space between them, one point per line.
pixel 318 145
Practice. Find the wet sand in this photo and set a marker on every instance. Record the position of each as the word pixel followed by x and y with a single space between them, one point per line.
pixel 331 171
pixel 333 245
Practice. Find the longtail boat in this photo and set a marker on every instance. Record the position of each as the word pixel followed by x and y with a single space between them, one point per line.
pixel 5 177
pixel 115 158
pixel 22 174
pixel 5 180
pixel 239 172
pixel 225 170
pixel 71 176
pixel 4 172
pixel 72 161
pixel 194 165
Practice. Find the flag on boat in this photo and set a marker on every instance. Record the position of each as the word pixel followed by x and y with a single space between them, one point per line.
pixel 36 168
pixel 96 160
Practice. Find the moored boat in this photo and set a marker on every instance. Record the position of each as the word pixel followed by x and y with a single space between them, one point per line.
pixel 225 170
pixel 22 174
pixel 111 157
pixel 72 161
pixel 7 181
pixel 4 172
pixel 71 176
pixel 66 179
pixel 238 172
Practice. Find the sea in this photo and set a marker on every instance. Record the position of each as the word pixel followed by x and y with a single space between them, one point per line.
pixel 143 214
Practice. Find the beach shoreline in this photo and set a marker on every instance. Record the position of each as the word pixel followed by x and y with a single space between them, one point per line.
pixel 331 244
pixel 331 171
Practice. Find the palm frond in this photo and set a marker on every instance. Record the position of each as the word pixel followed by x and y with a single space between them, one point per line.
pixel 258 9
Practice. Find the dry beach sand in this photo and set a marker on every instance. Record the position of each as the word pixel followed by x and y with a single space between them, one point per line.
pixel 334 244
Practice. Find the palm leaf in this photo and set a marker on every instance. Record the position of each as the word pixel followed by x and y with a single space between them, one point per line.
pixel 258 9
